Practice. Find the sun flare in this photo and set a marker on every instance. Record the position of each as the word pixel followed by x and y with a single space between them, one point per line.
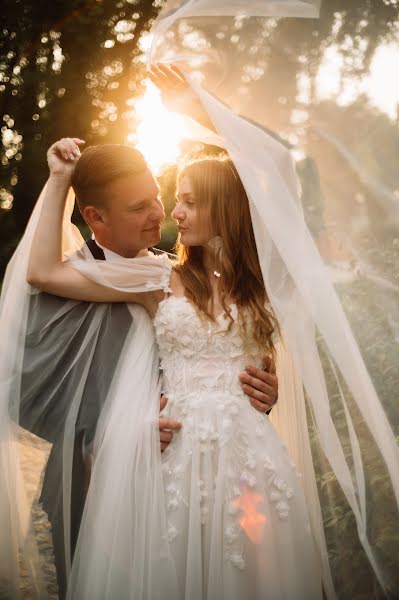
pixel 159 132
pixel 381 86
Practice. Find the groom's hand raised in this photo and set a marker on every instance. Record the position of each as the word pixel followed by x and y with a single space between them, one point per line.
pixel 166 426
pixel 177 94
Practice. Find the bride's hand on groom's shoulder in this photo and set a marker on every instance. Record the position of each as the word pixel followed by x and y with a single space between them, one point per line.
pixel 63 155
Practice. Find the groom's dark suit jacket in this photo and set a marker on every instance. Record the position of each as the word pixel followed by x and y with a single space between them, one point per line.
pixel 44 389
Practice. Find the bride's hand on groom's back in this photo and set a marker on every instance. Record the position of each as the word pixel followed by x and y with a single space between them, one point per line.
pixel 261 385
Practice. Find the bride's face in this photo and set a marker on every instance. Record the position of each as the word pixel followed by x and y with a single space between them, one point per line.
pixel 194 225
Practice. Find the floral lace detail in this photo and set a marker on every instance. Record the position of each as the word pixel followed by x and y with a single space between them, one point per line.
pixel 197 354
pixel 163 260
pixel 201 362
pixel 248 498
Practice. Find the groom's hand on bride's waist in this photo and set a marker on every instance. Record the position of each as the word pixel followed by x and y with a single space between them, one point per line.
pixel 166 426
pixel 261 385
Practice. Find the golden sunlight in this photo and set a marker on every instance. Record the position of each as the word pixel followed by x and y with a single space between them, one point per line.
pixel 381 85
pixel 252 521
pixel 159 132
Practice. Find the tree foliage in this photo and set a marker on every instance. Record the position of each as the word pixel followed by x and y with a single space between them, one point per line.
pixel 75 69
pixel 65 69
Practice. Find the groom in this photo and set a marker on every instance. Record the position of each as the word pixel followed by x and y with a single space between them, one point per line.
pixel 119 200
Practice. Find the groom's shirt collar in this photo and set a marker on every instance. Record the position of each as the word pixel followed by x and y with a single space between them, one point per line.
pixel 109 255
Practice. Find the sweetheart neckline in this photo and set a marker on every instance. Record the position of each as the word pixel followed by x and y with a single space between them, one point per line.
pixel 187 301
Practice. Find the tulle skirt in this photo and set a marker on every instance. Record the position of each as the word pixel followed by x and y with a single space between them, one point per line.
pixel 237 522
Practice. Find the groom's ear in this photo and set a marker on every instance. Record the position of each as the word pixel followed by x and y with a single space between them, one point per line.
pixel 93 216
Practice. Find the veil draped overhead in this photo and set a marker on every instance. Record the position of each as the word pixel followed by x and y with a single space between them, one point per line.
pixel 352 428
pixel 352 421
pixel 338 312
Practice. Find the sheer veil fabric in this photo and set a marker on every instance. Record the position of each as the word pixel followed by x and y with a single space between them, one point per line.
pixel 318 336
pixel 320 360
pixel 52 410
pixel 320 353
pixel 321 368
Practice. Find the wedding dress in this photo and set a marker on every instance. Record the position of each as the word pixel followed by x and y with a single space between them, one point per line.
pixel 237 522
pixel 222 512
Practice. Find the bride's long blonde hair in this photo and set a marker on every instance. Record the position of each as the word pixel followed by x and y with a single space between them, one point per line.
pixel 220 193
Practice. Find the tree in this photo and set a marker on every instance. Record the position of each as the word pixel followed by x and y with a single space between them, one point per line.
pixel 64 69
pixel 77 68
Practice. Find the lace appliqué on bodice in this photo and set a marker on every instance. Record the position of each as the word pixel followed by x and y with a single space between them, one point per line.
pixel 201 361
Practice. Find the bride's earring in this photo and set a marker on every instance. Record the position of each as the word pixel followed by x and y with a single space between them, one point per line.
pixel 216 243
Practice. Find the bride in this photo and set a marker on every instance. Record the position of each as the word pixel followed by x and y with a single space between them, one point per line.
pixel 233 521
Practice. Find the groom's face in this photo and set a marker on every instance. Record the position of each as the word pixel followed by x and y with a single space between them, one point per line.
pixel 133 215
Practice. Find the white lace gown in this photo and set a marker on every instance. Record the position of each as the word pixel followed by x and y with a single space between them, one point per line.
pixel 237 520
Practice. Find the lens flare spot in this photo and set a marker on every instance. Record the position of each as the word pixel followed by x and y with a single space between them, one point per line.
pixel 253 521
pixel 159 132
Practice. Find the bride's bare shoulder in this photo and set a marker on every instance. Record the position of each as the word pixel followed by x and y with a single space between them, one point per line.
pixel 176 284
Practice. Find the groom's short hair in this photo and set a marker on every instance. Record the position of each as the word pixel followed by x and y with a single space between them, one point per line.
pixel 101 165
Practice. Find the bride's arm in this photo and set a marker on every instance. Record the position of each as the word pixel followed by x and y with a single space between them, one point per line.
pixel 46 269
